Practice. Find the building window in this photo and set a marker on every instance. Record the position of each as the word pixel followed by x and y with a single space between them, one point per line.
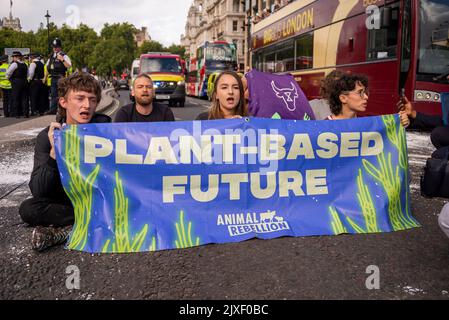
pixel 235 25
pixel 236 6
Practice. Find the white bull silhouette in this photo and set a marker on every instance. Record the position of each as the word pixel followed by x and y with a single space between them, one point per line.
pixel 289 95
pixel 269 215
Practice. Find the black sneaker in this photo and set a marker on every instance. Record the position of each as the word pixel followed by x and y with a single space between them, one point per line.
pixel 45 237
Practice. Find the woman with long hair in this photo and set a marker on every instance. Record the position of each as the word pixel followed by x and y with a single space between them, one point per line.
pixel 227 99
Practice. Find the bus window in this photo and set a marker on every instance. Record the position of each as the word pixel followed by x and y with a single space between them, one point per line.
pixel 304 52
pixel 285 60
pixel 382 43
pixel 433 58
pixel 270 59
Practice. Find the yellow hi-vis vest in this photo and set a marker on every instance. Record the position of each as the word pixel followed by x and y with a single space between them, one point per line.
pixel 4 82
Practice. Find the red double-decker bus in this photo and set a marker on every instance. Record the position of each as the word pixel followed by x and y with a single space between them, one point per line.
pixel 210 57
pixel 396 43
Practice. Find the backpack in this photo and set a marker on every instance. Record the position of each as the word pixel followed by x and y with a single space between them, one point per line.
pixel 435 176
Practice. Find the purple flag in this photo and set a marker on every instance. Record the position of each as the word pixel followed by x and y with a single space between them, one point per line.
pixel 277 96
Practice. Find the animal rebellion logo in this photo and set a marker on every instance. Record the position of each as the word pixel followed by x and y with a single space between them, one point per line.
pixel 241 223
pixel 289 95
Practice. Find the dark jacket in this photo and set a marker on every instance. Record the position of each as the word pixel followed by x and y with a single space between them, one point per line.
pixel 45 180
pixel 426 122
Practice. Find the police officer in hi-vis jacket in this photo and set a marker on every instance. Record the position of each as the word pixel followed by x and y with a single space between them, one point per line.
pixel 5 85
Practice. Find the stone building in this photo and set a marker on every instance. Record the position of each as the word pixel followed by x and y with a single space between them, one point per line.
pixel 11 22
pixel 141 36
pixel 214 20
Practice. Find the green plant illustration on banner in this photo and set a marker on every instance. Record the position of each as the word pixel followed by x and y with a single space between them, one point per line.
pixel 337 225
pixel 389 179
pixel 368 211
pixel 184 236
pixel 396 135
pixel 124 241
pixel 80 190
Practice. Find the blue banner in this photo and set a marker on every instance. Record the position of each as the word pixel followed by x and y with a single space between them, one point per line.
pixel 154 186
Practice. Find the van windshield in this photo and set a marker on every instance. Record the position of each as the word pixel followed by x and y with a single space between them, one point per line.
pixel 169 65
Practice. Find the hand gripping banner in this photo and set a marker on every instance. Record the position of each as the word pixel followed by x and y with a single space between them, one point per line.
pixel 155 186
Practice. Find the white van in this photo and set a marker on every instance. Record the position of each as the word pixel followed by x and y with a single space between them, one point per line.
pixel 135 69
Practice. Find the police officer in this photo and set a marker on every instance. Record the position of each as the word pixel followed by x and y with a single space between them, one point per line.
pixel 5 85
pixel 17 73
pixel 36 75
pixel 57 67
pixel 26 108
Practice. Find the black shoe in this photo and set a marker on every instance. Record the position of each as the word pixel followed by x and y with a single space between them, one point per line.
pixel 46 237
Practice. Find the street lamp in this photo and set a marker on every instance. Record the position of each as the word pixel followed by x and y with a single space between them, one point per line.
pixel 48 16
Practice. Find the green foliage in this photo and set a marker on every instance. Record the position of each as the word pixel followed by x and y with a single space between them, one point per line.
pixel 177 49
pixel 151 46
pixel 185 236
pixel 113 49
pixel 80 190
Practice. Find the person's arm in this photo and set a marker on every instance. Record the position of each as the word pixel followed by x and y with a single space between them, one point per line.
pixel 31 71
pixel 45 181
pixel 426 121
pixel 419 120
pixel 11 69
pixel 67 62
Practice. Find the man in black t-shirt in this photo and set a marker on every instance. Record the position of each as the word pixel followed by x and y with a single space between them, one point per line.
pixel 143 110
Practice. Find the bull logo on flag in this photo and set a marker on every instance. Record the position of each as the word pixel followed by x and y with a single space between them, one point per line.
pixel 277 96
pixel 289 95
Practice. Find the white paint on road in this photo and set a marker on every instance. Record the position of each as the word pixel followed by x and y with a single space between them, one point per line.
pixel 31 132
pixel 16 169
pixel 413 291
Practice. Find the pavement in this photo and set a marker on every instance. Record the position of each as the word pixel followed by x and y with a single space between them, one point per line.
pixel 413 264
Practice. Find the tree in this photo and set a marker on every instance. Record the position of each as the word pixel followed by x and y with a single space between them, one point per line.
pixel 151 46
pixel 177 49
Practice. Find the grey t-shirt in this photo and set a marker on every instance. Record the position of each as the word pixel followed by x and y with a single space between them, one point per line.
pixel 320 108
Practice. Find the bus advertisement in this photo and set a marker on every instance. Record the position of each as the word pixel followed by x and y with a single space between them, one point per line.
pixel 166 71
pixel 398 44
pixel 210 58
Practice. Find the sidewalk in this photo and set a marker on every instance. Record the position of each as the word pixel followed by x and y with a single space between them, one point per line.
pixel 25 132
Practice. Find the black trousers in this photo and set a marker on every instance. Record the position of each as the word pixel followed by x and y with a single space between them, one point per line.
pixel 6 101
pixel 45 98
pixel 440 137
pixel 37 97
pixel 19 105
pixel 46 212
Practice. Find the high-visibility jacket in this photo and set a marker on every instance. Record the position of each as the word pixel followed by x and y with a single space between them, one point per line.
pixel 47 76
pixel 4 82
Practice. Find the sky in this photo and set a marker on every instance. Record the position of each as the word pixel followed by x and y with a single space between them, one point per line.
pixel 165 19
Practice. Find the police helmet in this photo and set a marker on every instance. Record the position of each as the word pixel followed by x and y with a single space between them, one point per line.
pixel 57 43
